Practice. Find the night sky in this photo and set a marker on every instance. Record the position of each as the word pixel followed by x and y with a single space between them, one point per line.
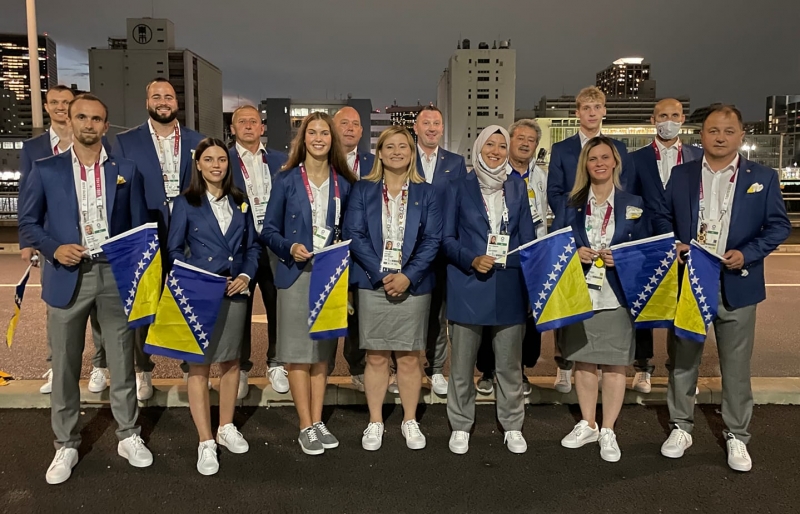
pixel 734 51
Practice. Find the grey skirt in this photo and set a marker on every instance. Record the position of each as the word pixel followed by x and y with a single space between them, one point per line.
pixel 226 340
pixel 605 338
pixel 395 324
pixel 294 344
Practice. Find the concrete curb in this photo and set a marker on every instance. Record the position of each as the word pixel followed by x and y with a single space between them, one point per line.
pixel 787 249
pixel 24 394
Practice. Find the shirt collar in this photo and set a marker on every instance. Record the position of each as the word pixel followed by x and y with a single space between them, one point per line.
pixel 584 138
pixel 213 199
pixel 244 151
pixel 730 167
pixel 353 153
pixel 77 162
pixel 662 148
pixel 54 139
pixel 593 200
pixel 433 156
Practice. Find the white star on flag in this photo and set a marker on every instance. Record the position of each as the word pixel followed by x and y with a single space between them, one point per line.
pixel 543 295
pixel 129 301
pixel 548 286
pixel 141 264
pixel 671 254
pixel 665 263
pixel 179 291
pixel 695 280
pixel 202 336
pixel 552 275
pixel 659 272
pixel 648 288
pixel 562 258
pixel 188 309
pixel 173 281
pixel 637 304
pixel 568 248
pixel 147 254
pixel 198 326
pixel 558 267
pixel 538 304
pixel 183 300
pixel 205 345
pixel 153 245
pixel 192 318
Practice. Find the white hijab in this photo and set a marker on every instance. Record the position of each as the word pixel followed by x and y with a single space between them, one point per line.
pixel 490 179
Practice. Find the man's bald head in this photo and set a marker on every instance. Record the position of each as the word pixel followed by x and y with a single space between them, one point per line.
pixel 348 125
pixel 668 109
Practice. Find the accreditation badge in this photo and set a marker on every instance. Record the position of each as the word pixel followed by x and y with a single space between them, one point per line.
pixel 497 247
pixel 172 184
pixel 96 233
pixel 709 235
pixel 259 205
pixel 392 259
pixel 321 236
pixel 596 275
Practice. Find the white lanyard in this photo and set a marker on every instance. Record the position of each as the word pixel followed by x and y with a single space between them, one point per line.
pixel 401 215
pixel 505 215
pixel 98 187
pixel 176 152
pixel 256 185
pixel 726 200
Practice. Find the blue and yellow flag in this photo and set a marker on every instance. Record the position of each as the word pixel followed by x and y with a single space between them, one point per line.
pixel 556 283
pixel 327 293
pixel 19 292
pixel 186 314
pixel 135 260
pixel 698 300
pixel 648 271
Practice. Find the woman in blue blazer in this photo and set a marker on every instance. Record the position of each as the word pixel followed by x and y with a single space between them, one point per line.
pixel 601 215
pixel 487 213
pixel 395 226
pixel 305 214
pixel 212 230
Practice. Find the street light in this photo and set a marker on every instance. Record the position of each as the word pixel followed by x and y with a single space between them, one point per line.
pixel 748 148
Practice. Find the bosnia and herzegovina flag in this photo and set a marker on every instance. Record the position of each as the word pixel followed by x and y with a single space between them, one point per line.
pixel 648 271
pixel 556 283
pixel 327 293
pixel 186 314
pixel 698 300
pixel 135 260
pixel 19 292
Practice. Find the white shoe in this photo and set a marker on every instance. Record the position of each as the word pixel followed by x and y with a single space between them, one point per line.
pixel 526 386
pixel 47 388
pixel 459 442
pixel 581 435
pixel 439 384
pixel 358 382
pixel 207 463
pixel 641 382
pixel 738 457
pixel 61 467
pixel 609 450
pixel 186 380
pixel 135 451
pixel 515 442
pixel 392 387
pixel 277 377
pixel 485 385
pixel 144 385
pixel 232 439
pixel 415 440
pixel 97 380
pixel 563 382
pixel 373 437
pixel 678 442
pixel 244 387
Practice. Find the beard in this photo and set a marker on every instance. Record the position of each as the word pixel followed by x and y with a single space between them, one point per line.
pixel 87 139
pixel 162 119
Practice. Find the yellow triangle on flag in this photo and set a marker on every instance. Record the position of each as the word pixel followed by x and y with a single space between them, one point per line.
pixel 570 295
pixel 333 314
pixel 688 316
pixel 664 301
pixel 148 291
pixel 170 330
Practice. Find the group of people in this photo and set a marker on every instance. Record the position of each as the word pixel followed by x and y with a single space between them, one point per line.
pixel 431 247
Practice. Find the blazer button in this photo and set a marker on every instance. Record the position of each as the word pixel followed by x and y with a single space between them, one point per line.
pixel 293 216
pixel 210 259
pixel 165 203
pixel 230 259
pixel 293 231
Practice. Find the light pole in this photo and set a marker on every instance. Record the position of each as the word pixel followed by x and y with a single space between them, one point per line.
pixel 33 69
pixel 748 148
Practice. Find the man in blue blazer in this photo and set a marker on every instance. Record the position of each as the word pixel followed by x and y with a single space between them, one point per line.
pixel 74 202
pixel 162 151
pixel 744 199
pixel 442 169
pixel 654 164
pixel 255 170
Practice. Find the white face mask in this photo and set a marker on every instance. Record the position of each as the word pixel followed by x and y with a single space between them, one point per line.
pixel 668 129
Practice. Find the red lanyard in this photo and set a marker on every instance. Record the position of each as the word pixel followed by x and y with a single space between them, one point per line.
pixel 606 219
pixel 311 194
pixel 355 166
pixel 244 168
pixel 55 149
pixel 177 148
pixel 98 187
pixel 658 153
pixel 401 216
pixel 728 194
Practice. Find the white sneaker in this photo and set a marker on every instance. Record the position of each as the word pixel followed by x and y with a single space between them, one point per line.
pixel 459 442
pixel 515 442
pixel 232 439
pixel 97 380
pixel 135 451
pixel 277 377
pixel 207 463
pixel 244 387
pixel 738 457
pixel 563 382
pixel 581 435
pixel 358 382
pixel 392 387
pixel 144 385
pixel 186 380
pixel 609 450
pixel 373 437
pixel 47 388
pixel 526 386
pixel 61 467
pixel 678 442
pixel 415 440
pixel 439 384
pixel 641 382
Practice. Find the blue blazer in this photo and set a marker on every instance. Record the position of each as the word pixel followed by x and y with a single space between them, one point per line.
pixel 561 174
pixel 288 221
pixel 275 160
pixel 365 163
pixel 137 144
pixel 231 254
pixel 449 168
pixel 423 235
pixel 498 297
pixel 49 217
pixel 758 223
pixel 648 182
pixel 625 230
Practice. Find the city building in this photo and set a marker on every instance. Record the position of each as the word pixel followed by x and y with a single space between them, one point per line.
pixel 628 77
pixel 15 78
pixel 783 117
pixel 379 121
pixel 618 110
pixel 119 74
pixel 477 89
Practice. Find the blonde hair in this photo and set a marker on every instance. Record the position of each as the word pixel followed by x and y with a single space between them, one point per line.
pixel 580 191
pixel 376 174
pixel 590 94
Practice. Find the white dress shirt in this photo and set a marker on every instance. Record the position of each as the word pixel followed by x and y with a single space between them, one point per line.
pixel 668 160
pixel 494 203
pixel 319 208
pixel 54 141
pixel 428 163
pixel 93 213
pixel 165 150
pixel 351 162
pixel 585 139
pixel 536 182
pixel 259 182
pixel 715 186
pixel 222 210
pixel 604 299
pixel 393 231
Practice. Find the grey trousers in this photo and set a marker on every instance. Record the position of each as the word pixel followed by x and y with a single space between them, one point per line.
pixel 736 332
pixel 507 345
pixel 99 357
pixel 66 329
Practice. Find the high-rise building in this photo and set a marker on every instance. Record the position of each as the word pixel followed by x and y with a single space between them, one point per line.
pixel 477 89
pixel 119 74
pixel 777 112
pixel 378 121
pixel 628 77
pixel 15 78
pixel 618 110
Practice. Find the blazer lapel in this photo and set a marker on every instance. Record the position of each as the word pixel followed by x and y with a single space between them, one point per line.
pixel 374 209
pixel 208 214
pixel 620 219
pixel 695 179
pixel 474 190
pixel 302 197
pixel 331 218
pixel 111 171
pixel 413 215
pixel 186 160
pixel 743 183
pixel 235 230
pixel 69 188
pixel 439 169
pixel 581 238
pixel 149 149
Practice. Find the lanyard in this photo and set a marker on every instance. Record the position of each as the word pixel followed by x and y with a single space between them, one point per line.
pixel 658 153
pixel 98 190
pixel 604 227
pixel 726 200
pixel 355 166
pixel 505 214
pixel 310 194
pixel 401 216
pixel 175 152
pixel 247 175
pixel 56 151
